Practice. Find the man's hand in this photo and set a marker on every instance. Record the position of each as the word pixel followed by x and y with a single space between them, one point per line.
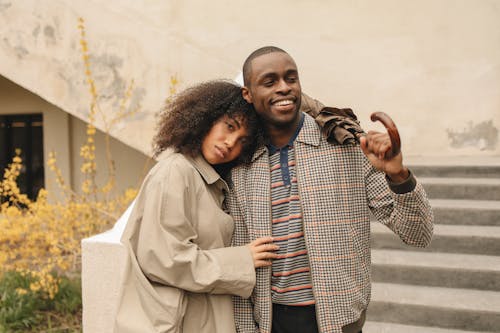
pixel 375 145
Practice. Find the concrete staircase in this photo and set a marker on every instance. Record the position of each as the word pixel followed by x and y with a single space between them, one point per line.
pixel 454 285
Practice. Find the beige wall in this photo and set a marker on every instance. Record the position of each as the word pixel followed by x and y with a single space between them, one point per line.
pixel 131 165
pixel 64 134
pixel 433 65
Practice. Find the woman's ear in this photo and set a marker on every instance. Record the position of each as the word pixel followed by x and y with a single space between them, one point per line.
pixel 247 95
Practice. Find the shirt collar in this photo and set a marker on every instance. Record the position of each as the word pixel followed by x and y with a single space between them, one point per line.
pixel 311 132
pixel 273 149
pixel 308 132
pixel 207 172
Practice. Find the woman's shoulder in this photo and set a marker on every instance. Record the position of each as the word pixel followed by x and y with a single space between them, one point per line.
pixel 173 158
pixel 172 163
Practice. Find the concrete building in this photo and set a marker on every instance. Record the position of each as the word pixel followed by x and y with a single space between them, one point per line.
pixel 434 66
pixel 38 127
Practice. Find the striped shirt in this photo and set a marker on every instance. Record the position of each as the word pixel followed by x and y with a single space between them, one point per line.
pixel 291 279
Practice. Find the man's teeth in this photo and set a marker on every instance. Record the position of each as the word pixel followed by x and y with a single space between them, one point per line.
pixel 283 103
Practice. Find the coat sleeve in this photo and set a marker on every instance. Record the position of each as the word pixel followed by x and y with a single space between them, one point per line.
pixel 166 250
pixel 404 208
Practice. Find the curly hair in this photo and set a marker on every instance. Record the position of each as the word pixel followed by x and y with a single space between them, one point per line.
pixel 188 117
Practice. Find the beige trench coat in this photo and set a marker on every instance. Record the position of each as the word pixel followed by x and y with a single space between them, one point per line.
pixel 181 271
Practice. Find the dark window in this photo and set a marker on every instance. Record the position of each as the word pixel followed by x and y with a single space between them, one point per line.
pixel 24 132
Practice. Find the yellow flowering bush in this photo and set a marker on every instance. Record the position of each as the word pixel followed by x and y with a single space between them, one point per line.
pixel 40 239
pixel 43 237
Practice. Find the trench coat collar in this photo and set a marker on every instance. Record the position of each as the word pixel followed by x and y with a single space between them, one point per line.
pixel 308 134
pixel 207 172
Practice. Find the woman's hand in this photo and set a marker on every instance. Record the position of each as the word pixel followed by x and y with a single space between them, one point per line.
pixel 262 251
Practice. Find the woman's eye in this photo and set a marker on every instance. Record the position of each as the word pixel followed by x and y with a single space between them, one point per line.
pixel 229 126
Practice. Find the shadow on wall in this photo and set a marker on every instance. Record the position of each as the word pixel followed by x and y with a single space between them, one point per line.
pixel 483 136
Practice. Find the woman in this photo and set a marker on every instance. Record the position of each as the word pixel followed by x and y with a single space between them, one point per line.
pixel 182 270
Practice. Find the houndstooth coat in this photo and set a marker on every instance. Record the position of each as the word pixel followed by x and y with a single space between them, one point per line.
pixel 338 189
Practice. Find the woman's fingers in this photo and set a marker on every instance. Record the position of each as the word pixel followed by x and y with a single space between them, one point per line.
pixel 265 255
pixel 262 251
pixel 261 240
pixel 266 248
pixel 262 263
pixel 263 245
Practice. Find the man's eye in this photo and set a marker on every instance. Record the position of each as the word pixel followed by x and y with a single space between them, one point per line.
pixel 268 83
pixel 292 79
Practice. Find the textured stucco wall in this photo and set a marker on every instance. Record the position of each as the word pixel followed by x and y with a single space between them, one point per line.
pixel 433 65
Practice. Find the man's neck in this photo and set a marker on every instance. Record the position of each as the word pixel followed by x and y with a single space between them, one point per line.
pixel 280 136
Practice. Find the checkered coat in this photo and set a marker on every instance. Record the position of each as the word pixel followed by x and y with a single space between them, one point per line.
pixel 338 190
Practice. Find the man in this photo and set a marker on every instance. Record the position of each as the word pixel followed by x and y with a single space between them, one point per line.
pixel 314 198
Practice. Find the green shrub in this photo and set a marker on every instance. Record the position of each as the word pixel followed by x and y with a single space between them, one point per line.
pixel 22 309
pixel 68 300
pixel 18 305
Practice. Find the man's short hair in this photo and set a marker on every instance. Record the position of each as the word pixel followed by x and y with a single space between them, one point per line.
pixel 257 53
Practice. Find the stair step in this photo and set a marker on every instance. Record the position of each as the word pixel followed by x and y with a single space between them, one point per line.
pixel 469 212
pixel 453 286
pixel 436 269
pixel 447 238
pixel 381 327
pixel 454 166
pixel 462 188
pixel 463 171
pixel 454 308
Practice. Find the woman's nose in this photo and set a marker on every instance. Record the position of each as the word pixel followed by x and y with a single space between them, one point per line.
pixel 230 141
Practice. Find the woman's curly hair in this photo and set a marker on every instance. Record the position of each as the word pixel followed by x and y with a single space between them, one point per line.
pixel 188 117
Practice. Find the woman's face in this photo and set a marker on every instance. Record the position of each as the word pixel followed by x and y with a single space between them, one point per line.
pixel 225 140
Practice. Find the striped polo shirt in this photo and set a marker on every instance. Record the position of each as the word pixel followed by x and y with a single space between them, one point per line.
pixel 291 279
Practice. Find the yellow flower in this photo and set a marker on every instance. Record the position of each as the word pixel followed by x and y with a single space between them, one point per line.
pixel 35 286
pixel 21 291
pixel 90 130
pixel 84 46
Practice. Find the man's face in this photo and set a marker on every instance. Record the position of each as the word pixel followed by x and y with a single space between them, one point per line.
pixel 274 89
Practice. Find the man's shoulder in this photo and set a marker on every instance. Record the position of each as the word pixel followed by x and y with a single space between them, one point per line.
pixel 313 130
pixel 310 123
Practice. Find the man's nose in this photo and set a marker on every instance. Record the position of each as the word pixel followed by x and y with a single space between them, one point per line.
pixel 283 86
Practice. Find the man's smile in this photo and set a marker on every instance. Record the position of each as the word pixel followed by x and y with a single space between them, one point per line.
pixel 284 105
pixel 284 102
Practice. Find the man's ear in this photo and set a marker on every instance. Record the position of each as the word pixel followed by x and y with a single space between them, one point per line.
pixel 247 95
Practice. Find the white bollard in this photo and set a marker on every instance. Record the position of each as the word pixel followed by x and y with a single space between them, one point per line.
pixel 104 261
